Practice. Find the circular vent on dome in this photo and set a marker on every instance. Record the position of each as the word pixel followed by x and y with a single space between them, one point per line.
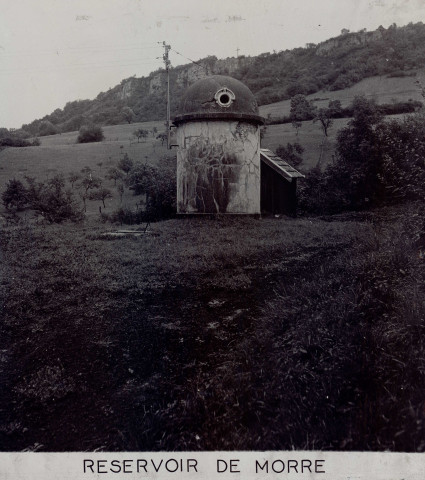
pixel 224 97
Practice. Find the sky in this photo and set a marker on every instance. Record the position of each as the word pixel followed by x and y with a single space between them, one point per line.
pixel 56 51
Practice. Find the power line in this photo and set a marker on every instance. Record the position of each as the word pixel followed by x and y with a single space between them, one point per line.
pixel 190 60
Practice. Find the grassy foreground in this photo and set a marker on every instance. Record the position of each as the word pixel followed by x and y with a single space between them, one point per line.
pixel 214 334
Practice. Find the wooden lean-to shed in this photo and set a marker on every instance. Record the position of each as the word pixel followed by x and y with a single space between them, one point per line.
pixel 278 184
pixel 220 165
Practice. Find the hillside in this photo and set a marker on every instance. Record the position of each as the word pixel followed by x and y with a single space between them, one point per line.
pixel 395 53
pixel 382 89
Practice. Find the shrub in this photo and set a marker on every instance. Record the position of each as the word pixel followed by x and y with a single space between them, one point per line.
pixel 127 216
pixel 15 197
pixel 90 133
pixel 159 186
pixel 292 153
pixel 125 164
pixel 86 185
pixel 51 200
pixel 18 142
pixel 47 128
pixel 101 194
pixel 403 152
pixel 377 163
pixel 114 174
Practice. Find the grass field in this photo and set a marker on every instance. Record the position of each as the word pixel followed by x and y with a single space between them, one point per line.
pixel 381 89
pixel 61 154
pixel 233 333
pixel 317 149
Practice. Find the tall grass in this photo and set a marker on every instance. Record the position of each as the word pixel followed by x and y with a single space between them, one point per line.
pixel 215 334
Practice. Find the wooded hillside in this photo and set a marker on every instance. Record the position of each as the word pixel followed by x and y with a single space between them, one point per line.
pixel 335 64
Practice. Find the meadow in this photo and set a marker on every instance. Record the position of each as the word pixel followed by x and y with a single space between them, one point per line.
pixel 382 89
pixel 61 154
pixel 210 334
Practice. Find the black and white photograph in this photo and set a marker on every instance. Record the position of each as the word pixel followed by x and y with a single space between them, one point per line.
pixel 212 229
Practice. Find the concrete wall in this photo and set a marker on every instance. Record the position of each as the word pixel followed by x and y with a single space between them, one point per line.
pixel 218 167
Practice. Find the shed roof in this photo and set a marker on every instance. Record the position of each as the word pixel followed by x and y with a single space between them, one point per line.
pixel 279 165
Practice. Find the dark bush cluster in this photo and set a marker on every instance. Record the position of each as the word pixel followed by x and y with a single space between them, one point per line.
pixel 292 153
pixel 157 185
pixel 15 196
pixel 385 108
pixel 49 199
pixel 90 133
pixel 18 142
pixel 377 163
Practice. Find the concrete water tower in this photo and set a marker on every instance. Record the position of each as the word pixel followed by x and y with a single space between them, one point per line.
pixel 218 156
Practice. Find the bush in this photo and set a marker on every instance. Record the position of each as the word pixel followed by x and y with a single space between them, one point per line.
pixel 292 153
pixel 126 216
pixel 159 186
pixel 125 164
pixel 51 200
pixel 47 128
pixel 90 133
pixel 377 163
pixel 403 152
pixel 56 204
pixel 18 142
pixel 15 197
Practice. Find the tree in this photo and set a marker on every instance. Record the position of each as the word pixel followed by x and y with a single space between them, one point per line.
pixel 403 150
pixel 120 190
pixel 141 178
pixel 114 174
pixel 87 170
pixel 126 163
pixel 101 194
pixel 15 196
pixel 47 128
pixel 292 153
pixel 325 115
pixel 141 133
pixel 73 177
pixel 88 183
pixel 356 172
pixel 128 114
pixel 159 186
pixel 163 137
pixel 51 200
pixel 301 110
pixel 4 132
pixel 154 131
pixel 90 133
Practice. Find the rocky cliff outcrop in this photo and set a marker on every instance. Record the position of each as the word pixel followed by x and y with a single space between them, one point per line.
pixel 127 88
pixel 347 40
pixel 185 75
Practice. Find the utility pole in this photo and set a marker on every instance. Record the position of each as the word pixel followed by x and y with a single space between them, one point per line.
pixel 167 64
pixel 237 52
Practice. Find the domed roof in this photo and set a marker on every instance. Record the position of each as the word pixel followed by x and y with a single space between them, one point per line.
pixel 218 97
